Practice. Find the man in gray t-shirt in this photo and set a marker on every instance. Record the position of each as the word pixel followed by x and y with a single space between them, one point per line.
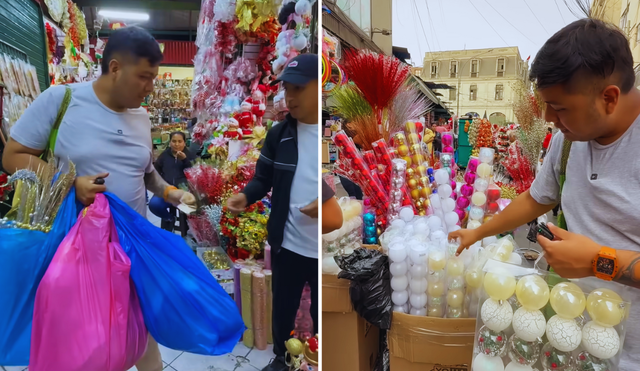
pixel 584 74
pixel 104 133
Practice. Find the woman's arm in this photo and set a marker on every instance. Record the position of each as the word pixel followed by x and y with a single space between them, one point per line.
pixel 331 210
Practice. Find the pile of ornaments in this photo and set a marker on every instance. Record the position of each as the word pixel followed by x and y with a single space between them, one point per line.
pixel 479 195
pixel 346 239
pixel 512 328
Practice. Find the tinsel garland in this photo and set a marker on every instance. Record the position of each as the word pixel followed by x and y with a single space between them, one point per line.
pixel 249 229
pixel 73 31
pixel 266 33
pixel 520 170
pixel 251 14
pixel 226 38
pixel 52 42
pixel 80 23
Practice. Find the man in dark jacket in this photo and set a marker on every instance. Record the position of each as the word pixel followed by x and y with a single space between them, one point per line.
pixel 289 163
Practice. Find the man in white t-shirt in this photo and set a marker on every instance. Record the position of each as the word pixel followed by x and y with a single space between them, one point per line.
pixel 104 132
pixel 584 74
pixel 289 163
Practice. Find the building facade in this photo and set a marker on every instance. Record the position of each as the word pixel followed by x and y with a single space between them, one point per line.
pixel 480 80
pixel 373 21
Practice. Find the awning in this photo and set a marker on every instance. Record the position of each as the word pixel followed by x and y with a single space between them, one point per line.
pixel 426 91
pixel 336 21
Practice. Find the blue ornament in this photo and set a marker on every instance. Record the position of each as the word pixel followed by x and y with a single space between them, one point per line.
pixel 435 190
pixel 430 172
pixel 432 179
pixel 369 219
pixel 370 231
pixel 370 240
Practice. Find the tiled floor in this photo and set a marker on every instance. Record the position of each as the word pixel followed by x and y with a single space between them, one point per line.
pixel 241 359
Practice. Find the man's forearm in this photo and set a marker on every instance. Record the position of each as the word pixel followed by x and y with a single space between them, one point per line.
pixel 521 211
pixel 629 273
pixel 154 183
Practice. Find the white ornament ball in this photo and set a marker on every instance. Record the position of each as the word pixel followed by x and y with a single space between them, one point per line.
pixel 496 315
pixel 399 283
pixel 418 300
pixel 445 191
pixel 434 223
pixel 486 155
pixel 398 268
pixel 451 218
pixel 329 265
pixel 481 184
pixel 397 253
pixel 476 213
pixel 436 202
pixel 448 205
pixel 515 258
pixel 438 235
pixel 399 308
pixel 418 285
pixel 483 362
pixel 399 297
pixel 473 224
pixel 398 223
pixel 419 312
pixel 563 334
pixel 299 43
pixel 529 324
pixel 455 228
pixel 479 199
pixel 484 170
pixel 489 240
pixel 441 177
pixel 602 342
pixel 303 7
pixel 406 214
pixel 513 366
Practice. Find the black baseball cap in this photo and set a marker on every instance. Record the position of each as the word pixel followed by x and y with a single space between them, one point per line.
pixel 300 71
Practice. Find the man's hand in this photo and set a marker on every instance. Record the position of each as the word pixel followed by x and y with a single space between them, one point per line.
pixel 86 189
pixel 569 254
pixel 237 203
pixel 178 196
pixel 311 210
pixel 180 155
pixel 467 238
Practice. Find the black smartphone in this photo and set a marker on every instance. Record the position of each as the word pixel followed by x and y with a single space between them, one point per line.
pixel 545 232
pixel 539 228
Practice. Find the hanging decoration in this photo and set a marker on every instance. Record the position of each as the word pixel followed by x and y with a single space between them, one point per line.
pixel 56 9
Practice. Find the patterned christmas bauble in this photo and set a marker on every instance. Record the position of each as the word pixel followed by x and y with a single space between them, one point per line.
pixel 496 315
pixel 555 360
pixel 492 343
pixel 586 361
pixel 602 342
pixel 563 334
pixel 529 325
pixel 525 353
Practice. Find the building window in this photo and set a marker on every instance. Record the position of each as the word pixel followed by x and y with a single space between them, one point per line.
pixel 434 70
pixel 501 67
pixel 499 91
pixel 473 92
pixel 474 68
pixel 359 11
pixel 623 20
pixel 453 69
pixel 453 92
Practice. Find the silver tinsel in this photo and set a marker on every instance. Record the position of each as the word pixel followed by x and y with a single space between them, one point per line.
pixel 214 214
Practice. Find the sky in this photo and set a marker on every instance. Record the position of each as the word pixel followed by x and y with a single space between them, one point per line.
pixel 474 24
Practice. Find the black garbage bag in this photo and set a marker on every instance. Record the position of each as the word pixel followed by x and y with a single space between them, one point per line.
pixel 370 290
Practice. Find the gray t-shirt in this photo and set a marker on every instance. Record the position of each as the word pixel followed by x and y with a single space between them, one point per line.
pixel 603 209
pixel 95 138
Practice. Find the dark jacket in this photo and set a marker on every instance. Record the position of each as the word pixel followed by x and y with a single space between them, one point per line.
pixel 171 169
pixel 275 169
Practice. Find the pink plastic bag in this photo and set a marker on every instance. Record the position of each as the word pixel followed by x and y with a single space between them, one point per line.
pixel 87 315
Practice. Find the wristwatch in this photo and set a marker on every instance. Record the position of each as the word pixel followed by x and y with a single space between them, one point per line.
pixel 605 264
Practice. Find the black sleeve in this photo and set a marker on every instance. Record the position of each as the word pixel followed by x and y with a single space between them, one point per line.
pixel 158 164
pixel 327 192
pixel 262 181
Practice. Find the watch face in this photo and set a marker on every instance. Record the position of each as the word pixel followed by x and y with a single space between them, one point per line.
pixel 606 266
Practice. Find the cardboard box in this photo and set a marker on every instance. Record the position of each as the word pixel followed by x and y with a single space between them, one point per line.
pixel 431 344
pixel 349 343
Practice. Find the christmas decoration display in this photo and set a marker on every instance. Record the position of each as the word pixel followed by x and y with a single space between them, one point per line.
pixel 569 343
pixel 294 17
pixel 170 101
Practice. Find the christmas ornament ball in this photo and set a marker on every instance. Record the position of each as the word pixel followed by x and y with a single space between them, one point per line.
pixel 398 268
pixel 496 315
pixel 399 297
pixel 605 307
pixel 403 150
pixel 478 199
pixel 474 278
pixel 499 285
pixel 399 283
pixel 564 334
pixel 525 353
pixel 435 289
pixel 602 342
pixel 555 360
pixel 481 184
pixel 329 265
pixel 412 183
pixel 445 191
pixel 532 292
pixel 487 363
pixel 425 192
pixel 484 170
pixel 567 300
pixel 529 325
pixel 435 311
pixel 455 267
pixel 455 298
pixel 448 205
pixel 441 176
pixel 517 367
pixel 476 213
pixel 473 224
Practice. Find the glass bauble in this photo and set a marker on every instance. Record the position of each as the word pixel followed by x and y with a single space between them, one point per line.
pixel 455 267
pixel 567 300
pixel 602 342
pixel 476 213
pixel 532 292
pixel 435 289
pixel 529 325
pixel 474 278
pixel 555 360
pixel 523 352
pixel 499 285
pixel 455 298
pixel 437 260
pixel 563 334
pixel 435 311
pixel 454 312
pixel 478 198
pixel 484 170
pixel 485 363
pixel 605 307
pixel 491 343
pixel 496 315
pixel 503 250
pixel 586 361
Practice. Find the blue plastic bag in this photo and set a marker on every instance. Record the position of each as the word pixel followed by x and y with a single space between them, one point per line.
pixel 24 258
pixel 183 305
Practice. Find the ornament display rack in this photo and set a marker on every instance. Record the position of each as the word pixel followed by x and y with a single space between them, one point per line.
pixel 14 52
pixel 170 102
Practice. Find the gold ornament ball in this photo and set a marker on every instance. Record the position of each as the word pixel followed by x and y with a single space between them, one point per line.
pixel 418 204
pixel 499 285
pixel 413 138
pixel 604 307
pixel 408 160
pixel 294 346
pixel 422 212
pixel 474 278
pixel 412 183
pixel 455 298
pixel 379 231
pixel 425 192
pixel 567 300
pixel 403 150
pixel 421 170
pixel 415 194
pixel 532 292
pixel 455 267
pixel 410 126
pixel 417 159
pixel 410 173
pixel 435 289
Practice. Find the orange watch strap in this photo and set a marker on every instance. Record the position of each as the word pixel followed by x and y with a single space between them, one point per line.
pixel 608 251
pixel 168 190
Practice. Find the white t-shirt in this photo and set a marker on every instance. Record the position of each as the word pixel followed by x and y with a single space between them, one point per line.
pixel 301 231
pixel 95 138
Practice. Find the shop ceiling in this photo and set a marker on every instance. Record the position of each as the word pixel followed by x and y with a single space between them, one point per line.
pixel 168 19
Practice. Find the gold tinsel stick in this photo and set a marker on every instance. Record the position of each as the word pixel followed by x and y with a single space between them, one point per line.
pixel 245 287
pixel 268 276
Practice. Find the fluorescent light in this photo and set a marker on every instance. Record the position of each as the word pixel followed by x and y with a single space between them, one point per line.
pixel 119 15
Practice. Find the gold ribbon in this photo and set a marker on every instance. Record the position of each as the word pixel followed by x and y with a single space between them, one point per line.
pixel 258 135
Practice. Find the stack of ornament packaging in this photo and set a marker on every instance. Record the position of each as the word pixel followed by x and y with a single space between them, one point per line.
pixel 254 300
pixel 526 323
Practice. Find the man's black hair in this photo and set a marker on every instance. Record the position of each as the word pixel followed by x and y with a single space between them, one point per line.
pixel 133 42
pixel 589 47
